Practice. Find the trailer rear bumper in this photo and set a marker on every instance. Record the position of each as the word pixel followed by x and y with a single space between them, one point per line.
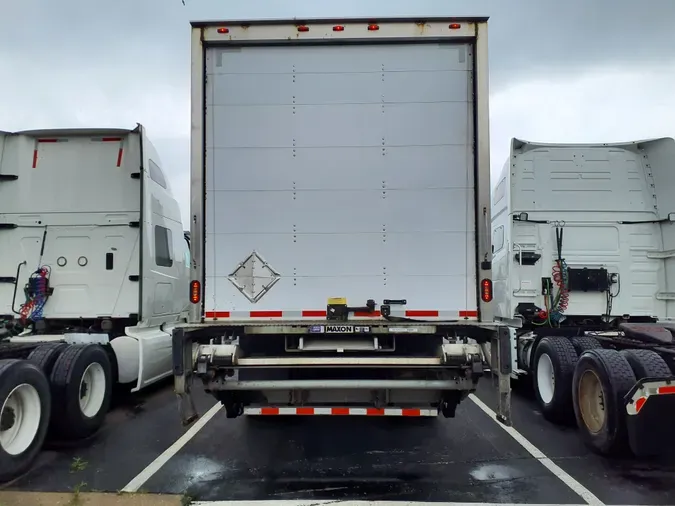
pixel 339 411
pixel 650 408
pixel 441 380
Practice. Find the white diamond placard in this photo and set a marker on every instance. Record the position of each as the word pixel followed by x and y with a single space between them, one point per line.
pixel 254 277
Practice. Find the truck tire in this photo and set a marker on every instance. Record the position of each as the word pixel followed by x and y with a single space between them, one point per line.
pixel 583 343
pixel 646 364
pixel 82 387
pixel 25 404
pixel 554 361
pixel 601 380
pixel 45 355
pixel 16 350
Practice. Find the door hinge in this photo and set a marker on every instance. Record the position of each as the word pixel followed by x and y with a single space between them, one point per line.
pixel 135 175
pixel 8 177
pixel 8 279
pixel 8 225
pixel 134 224
pixel 134 277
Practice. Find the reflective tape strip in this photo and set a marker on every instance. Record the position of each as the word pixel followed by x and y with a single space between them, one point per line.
pixel 265 314
pixel 120 151
pixel 43 141
pixel 217 314
pixel 422 314
pixel 649 389
pixel 339 411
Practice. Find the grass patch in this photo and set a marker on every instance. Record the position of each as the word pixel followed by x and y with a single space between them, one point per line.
pixel 185 499
pixel 78 465
pixel 76 499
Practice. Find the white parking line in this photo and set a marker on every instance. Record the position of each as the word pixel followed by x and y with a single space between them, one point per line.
pixel 573 484
pixel 157 464
pixel 138 481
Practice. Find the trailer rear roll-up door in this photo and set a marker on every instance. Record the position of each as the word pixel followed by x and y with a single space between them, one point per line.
pixel 340 171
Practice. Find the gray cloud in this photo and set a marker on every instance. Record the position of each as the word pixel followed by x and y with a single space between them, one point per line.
pixel 527 36
pixel 95 63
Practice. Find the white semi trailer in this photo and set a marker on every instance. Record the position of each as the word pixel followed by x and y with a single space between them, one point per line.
pixel 93 270
pixel 584 255
pixel 341 260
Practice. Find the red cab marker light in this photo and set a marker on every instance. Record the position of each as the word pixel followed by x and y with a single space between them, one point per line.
pixel 455 26
pixel 195 291
pixel 303 28
pixel 486 290
pixel 373 27
pixel 338 28
pixel 223 30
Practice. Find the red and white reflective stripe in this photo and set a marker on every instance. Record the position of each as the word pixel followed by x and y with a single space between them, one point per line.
pixel 43 141
pixel 120 152
pixel 339 411
pixel 426 314
pixel 649 389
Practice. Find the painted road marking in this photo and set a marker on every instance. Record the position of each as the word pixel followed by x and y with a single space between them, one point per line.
pixel 573 484
pixel 157 464
pixel 137 482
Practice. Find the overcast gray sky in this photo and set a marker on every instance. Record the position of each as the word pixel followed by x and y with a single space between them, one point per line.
pixel 579 70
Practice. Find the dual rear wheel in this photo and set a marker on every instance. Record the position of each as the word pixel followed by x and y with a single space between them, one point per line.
pixel 60 390
pixel 577 381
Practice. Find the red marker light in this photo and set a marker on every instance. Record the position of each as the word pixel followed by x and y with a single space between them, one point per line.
pixel 373 28
pixel 303 28
pixel 195 291
pixel 223 30
pixel 486 290
pixel 455 26
pixel 338 28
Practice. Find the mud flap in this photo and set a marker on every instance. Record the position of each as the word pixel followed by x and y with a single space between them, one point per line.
pixel 182 374
pixel 502 364
pixel 650 408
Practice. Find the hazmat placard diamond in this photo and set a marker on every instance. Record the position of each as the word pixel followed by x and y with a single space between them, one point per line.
pixel 254 277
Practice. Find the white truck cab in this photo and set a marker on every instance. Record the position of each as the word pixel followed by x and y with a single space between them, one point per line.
pixel 92 251
pixel 583 239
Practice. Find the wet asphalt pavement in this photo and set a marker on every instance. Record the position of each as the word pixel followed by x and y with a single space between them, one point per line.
pixel 466 459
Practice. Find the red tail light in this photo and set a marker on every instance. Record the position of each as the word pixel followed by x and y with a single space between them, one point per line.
pixel 373 28
pixel 223 30
pixel 195 291
pixel 338 28
pixel 303 28
pixel 486 290
pixel 455 26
